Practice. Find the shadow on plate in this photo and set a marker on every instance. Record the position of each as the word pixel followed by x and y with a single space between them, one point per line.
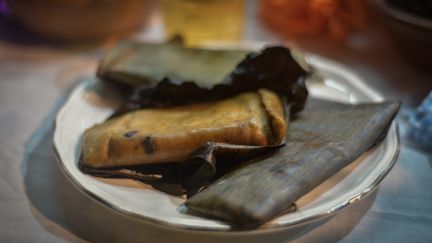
pixel 64 211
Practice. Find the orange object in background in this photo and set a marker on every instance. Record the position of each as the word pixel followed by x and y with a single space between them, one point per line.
pixel 204 22
pixel 302 18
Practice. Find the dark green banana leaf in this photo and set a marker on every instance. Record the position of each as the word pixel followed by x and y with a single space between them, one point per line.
pixel 322 140
pixel 170 74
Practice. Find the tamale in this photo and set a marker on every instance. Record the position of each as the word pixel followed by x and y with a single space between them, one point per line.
pixel 170 74
pixel 145 64
pixel 324 138
pixel 163 135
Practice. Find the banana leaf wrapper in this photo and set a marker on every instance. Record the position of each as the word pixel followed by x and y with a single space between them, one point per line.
pixel 194 136
pixel 322 140
pixel 209 162
pixel 170 74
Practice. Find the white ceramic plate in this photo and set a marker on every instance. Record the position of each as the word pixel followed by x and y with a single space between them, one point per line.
pixel 329 81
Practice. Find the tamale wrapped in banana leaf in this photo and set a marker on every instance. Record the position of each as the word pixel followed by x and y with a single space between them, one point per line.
pixel 170 74
pixel 246 124
pixel 323 139
pixel 151 136
pixel 146 64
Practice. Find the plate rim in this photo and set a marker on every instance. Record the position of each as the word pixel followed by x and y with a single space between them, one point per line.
pixel 330 65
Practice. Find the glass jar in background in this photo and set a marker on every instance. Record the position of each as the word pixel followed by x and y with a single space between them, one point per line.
pixel 204 22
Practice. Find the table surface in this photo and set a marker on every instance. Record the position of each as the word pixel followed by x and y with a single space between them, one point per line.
pixel 38 203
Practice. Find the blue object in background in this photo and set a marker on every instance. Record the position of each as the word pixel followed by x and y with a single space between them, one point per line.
pixel 420 122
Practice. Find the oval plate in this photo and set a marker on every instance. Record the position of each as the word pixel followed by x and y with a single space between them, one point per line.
pixel 329 81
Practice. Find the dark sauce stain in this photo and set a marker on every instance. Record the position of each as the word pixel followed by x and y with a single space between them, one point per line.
pixel 277 170
pixel 149 145
pixel 130 133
